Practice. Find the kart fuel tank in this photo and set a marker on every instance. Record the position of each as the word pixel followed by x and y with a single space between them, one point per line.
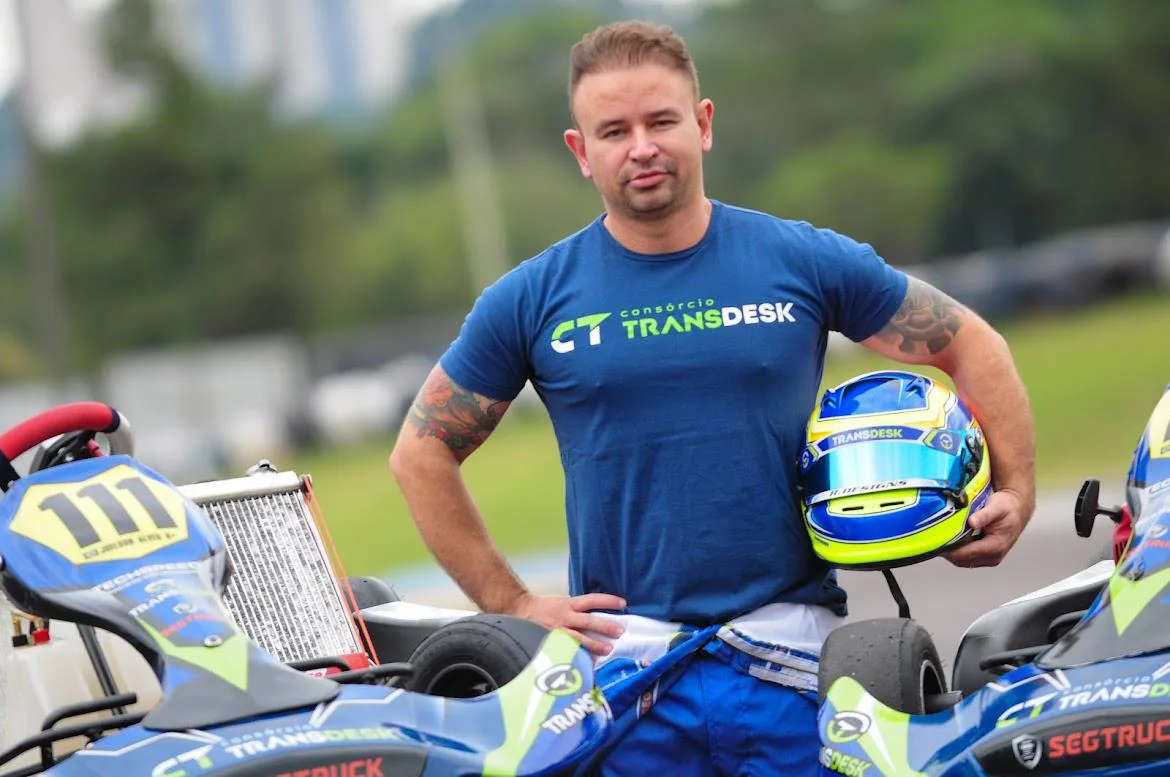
pixel 40 679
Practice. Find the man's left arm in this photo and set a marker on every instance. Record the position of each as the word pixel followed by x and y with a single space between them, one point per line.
pixel 932 329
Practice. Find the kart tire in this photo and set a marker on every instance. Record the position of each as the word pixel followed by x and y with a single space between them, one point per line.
pixel 370 592
pixel 474 655
pixel 894 659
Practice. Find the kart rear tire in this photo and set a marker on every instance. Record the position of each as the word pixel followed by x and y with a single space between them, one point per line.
pixel 371 591
pixel 894 659
pixel 474 655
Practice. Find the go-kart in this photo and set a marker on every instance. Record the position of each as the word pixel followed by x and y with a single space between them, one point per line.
pixel 99 539
pixel 1074 677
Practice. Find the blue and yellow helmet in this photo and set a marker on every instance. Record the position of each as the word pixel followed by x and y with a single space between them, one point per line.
pixel 893 464
pixel 1147 485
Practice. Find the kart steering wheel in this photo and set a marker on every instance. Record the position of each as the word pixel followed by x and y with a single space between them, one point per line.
pixel 75 417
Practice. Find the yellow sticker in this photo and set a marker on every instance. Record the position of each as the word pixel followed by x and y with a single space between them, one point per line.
pixel 1160 429
pixel 116 515
pixel 934 414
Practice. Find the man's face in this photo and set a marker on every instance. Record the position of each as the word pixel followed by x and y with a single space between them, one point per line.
pixel 641 137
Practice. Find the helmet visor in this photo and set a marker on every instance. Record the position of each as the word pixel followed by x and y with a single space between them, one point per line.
pixel 942 461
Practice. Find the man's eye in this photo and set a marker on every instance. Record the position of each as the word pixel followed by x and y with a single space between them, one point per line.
pixel 611 133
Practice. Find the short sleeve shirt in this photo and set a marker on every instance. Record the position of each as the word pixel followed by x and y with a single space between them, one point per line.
pixel 679 387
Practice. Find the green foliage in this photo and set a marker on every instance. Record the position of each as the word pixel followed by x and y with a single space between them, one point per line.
pixel 404 269
pixel 205 217
pixel 532 52
pixel 890 195
pixel 17 358
pixel 408 148
pixel 1015 101
pixel 218 224
pixel 925 129
pixel 559 204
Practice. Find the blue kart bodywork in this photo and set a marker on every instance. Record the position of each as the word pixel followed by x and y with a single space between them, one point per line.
pixel 110 543
pixel 1096 701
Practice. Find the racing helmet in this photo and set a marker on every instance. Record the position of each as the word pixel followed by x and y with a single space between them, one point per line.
pixel 1147 484
pixel 893 464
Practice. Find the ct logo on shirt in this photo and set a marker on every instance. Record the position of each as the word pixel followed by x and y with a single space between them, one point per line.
pixel 563 343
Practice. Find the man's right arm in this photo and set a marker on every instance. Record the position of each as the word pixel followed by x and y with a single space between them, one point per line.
pixel 445 425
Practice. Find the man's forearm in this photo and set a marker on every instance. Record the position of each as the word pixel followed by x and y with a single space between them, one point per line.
pixel 453 530
pixel 987 380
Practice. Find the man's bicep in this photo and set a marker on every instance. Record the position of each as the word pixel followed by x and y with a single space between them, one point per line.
pixel 457 417
pixel 923 327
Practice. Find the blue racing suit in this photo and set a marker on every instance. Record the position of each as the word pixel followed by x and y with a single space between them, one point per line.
pixel 716 711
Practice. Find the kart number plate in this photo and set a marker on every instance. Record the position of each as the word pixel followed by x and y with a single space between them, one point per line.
pixel 115 515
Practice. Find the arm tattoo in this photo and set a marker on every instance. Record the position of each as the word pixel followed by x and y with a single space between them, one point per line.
pixel 927 317
pixel 451 413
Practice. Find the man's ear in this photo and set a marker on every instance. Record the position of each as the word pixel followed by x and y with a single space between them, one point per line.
pixel 576 143
pixel 706 113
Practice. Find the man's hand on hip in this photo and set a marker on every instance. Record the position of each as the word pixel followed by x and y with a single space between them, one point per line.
pixel 573 614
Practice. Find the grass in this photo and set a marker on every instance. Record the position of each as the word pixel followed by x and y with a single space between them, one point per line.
pixel 1093 378
pixel 516 479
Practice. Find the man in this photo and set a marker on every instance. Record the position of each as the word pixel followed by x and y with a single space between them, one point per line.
pixel 678 344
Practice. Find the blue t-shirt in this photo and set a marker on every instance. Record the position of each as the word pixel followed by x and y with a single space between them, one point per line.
pixel 679 387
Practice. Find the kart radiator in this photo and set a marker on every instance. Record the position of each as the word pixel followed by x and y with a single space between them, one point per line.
pixel 283 592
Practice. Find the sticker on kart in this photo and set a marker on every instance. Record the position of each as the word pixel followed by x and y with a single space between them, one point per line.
pixel 863 736
pixel 114 515
pixel 1159 429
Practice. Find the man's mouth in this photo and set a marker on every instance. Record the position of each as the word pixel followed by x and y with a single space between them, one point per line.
pixel 648 179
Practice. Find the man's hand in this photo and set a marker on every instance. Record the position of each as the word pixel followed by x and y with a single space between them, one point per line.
pixel 1001 520
pixel 572 613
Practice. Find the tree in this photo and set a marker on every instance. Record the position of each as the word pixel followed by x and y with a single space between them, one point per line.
pixel 205 217
pixel 18 360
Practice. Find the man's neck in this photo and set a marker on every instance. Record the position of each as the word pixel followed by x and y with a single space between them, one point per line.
pixel 676 232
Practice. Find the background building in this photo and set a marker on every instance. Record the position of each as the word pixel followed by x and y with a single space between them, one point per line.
pixel 336 57
pixel 54 47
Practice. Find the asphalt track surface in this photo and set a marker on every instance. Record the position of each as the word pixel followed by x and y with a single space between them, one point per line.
pixel 943 598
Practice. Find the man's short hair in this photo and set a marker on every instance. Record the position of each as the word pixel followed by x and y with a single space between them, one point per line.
pixel 628 44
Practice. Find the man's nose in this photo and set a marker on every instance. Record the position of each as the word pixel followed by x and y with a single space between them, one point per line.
pixel 644 146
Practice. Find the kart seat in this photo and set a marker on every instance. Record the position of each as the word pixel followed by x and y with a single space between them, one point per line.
pixel 396 629
pixel 1030 621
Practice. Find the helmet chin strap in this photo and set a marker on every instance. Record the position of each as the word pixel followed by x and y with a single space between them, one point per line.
pixel 896 592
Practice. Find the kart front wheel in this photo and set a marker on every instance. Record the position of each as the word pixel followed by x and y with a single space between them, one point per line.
pixel 894 659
